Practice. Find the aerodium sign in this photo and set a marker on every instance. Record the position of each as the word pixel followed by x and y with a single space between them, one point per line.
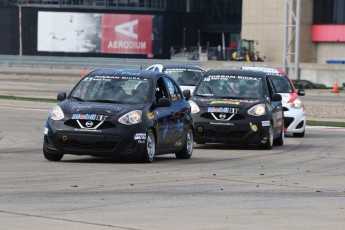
pixel 127 34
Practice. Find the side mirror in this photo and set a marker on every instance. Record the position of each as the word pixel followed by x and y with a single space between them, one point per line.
pixel 187 94
pixel 276 97
pixel 301 92
pixel 163 102
pixel 61 96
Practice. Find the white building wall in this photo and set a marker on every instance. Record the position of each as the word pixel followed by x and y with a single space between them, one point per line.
pixel 330 51
pixel 263 21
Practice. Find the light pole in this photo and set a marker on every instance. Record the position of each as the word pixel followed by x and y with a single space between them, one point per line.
pixel 184 38
pixel 20 31
pixel 292 36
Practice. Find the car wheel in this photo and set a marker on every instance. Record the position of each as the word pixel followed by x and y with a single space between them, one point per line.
pixel 280 140
pixel 150 148
pixel 52 156
pixel 299 134
pixel 269 143
pixel 187 149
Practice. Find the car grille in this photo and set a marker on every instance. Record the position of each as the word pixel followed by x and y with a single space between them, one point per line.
pixel 99 146
pixel 210 133
pixel 104 125
pixel 218 116
pixel 222 132
pixel 89 143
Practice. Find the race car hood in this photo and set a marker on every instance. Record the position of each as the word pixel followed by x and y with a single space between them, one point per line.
pixel 235 103
pixel 110 109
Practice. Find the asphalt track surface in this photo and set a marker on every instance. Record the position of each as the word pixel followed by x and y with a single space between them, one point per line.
pixel 300 185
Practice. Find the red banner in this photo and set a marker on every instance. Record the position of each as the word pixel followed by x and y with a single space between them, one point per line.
pixel 126 34
pixel 328 33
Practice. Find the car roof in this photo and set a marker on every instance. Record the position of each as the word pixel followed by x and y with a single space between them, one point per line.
pixel 272 72
pixel 250 73
pixel 125 72
pixel 178 65
pixel 264 69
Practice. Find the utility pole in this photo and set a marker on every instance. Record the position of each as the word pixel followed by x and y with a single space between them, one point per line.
pixel 292 37
pixel 20 31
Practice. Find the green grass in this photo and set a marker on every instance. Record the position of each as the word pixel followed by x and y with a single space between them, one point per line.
pixel 326 123
pixel 27 99
pixel 309 122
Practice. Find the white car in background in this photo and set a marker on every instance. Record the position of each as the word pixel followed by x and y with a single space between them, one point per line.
pixel 294 110
pixel 187 76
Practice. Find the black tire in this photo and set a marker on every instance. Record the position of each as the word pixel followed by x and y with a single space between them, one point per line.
pixel 187 149
pixel 269 144
pixel 299 134
pixel 150 148
pixel 280 140
pixel 52 156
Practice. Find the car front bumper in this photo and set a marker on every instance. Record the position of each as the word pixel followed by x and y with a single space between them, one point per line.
pixel 60 139
pixel 294 120
pixel 238 132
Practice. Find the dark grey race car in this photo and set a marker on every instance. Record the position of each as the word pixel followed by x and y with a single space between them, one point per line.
pixel 237 107
pixel 116 112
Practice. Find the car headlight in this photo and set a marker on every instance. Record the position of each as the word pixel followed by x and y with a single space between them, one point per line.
pixel 56 113
pixel 257 110
pixel 194 107
pixel 131 118
pixel 297 104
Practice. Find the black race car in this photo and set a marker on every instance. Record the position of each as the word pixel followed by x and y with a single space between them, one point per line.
pixel 237 107
pixel 186 75
pixel 118 112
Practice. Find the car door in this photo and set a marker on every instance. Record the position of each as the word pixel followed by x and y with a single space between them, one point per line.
pixel 177 122
pixel 164 116
pixel 276 109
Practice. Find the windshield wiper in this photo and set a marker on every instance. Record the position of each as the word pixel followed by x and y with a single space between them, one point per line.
pixel 75 98
pixel 106 101
pixel 229 97
pixel 200 95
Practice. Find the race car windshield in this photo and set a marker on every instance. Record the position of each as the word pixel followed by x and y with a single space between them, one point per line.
pixel 112 89
pixel 188 77
pixel 230 87
pixel 282 84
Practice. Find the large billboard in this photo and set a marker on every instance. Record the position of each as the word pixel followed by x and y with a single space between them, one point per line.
pixel 122 34
pixel 99 33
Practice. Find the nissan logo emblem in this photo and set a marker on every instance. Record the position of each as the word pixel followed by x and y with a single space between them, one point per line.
pixel 89 124
pixel 222 116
